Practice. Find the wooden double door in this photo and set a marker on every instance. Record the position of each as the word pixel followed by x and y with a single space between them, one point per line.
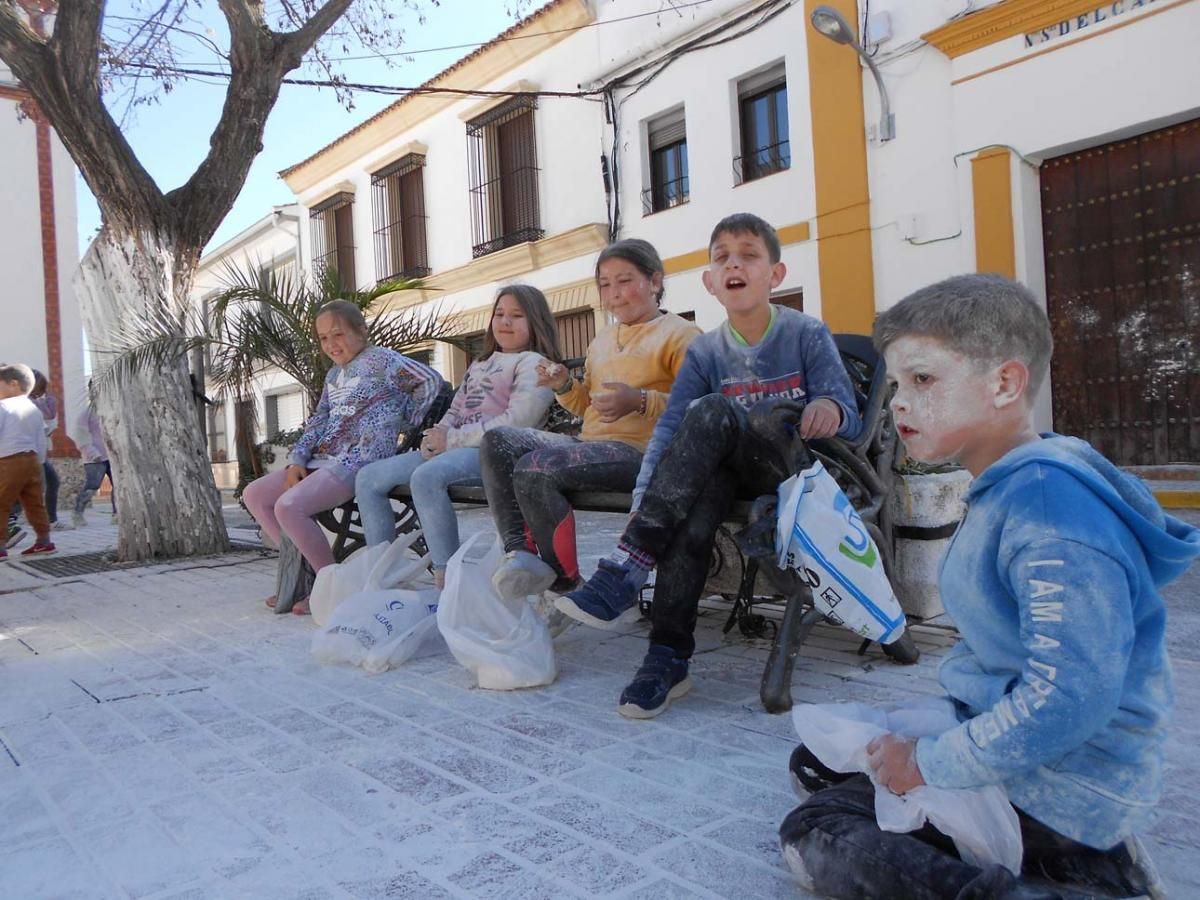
pixel 1121 226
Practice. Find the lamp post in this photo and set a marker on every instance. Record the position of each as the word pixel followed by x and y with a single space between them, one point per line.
pixel 829 22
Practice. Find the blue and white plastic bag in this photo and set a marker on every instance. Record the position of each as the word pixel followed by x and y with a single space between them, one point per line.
pixel 822 536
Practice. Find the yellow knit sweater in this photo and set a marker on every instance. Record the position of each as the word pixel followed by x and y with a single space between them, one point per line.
pixel 647 356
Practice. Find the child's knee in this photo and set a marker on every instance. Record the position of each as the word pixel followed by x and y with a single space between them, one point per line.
pixel 371 480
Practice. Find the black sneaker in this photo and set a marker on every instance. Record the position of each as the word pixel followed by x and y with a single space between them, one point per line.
pixel 606 600
pixel 810 775
pixel 662 678
pixel 1125 871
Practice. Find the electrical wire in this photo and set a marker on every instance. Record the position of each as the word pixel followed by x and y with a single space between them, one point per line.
pixel 474 45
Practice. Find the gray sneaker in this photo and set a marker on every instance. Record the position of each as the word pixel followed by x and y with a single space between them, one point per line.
pixel 522 574
pixel 556 620
pixel 78 520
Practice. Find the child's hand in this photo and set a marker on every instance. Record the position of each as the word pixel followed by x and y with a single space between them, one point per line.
pixel 618 400
pixel 821 419
pixel 552 375
pixel 893 759
pixel 434 442
pixel 293 476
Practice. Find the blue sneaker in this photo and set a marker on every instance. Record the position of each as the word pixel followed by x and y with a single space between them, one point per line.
pixel 606 600
pixel 661 679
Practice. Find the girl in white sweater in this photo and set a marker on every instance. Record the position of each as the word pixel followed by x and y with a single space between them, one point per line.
pixel 500 388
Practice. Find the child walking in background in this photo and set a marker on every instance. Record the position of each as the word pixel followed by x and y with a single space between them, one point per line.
pixel 371 395
pixel 96 465
pixel 1061 678
pixel 22 452
pixel 629 370
pixel 703 454
pixel 500 388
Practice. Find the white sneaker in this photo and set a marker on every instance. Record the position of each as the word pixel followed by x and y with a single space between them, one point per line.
pixel 522 574
pixel 78 520
pixel 60 525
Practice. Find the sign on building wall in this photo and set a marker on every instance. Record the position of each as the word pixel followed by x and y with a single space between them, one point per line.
pixel 1076 24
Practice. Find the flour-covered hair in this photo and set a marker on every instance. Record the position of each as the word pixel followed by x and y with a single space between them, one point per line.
pixel 986 318
pixel 19 373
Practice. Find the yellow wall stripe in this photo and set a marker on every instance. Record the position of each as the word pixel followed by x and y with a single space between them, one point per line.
pixel 840 168
pixel 991 180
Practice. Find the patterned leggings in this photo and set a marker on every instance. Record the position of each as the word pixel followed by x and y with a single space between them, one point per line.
pixel 527 473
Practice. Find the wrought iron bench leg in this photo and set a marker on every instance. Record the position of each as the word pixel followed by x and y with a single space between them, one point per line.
pixel 798 620
pixel 294 577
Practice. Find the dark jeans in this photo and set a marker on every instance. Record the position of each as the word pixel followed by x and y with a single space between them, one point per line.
pixel 716 456
pixel 527 474
pixel 847 855
pixel 52 482
pixel 93 475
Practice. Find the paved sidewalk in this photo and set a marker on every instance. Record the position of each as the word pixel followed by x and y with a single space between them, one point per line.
pixel 165 736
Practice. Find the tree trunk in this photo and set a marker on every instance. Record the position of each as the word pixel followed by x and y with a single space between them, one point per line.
pixel 167 500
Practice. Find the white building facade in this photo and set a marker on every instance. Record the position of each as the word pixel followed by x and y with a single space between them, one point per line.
pixel 39 255
pixel 1005 114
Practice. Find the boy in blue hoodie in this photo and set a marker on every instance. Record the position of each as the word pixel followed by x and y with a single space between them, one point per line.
pixel 703 454
pixel 1061 679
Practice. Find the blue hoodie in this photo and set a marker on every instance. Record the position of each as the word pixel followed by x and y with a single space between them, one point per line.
pixel 796 359
pixel 1061 676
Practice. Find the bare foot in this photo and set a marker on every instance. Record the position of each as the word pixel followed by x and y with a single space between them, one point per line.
pixel 301 608
pixel 439 578
pixel 271 601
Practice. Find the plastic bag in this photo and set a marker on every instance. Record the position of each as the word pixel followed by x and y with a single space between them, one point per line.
pixel 504 643
pixel 369 568
pixel 377 629
pixel 980 821
pixel 376 608
pixel 822 536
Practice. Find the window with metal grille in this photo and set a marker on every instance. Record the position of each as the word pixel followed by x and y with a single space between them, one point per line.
pixel 503 170
pixel 667 137
pixel 575 332
pixel 332 228
pixel 763 119
pixel 398 201
pixel 285 412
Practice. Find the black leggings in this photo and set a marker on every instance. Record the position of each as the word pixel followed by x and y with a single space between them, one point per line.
pixel 527 474
pixel 718 454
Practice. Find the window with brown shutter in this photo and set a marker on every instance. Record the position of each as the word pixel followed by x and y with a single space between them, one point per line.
pixel 398 200
pixel 332 228
pixel 502 165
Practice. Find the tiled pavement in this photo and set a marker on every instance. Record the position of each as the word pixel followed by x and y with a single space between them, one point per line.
pixel 164 735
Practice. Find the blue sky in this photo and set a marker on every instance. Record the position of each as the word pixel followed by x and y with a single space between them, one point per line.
pixel 171 138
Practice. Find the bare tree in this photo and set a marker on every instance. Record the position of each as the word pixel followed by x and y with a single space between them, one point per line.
pixel 142 262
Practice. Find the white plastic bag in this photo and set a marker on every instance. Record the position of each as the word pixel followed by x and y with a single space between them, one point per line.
pixel 822 536
pixel 377 629
pixel 980 821
pixel 376 608
pixel 504 643
pixel 369 568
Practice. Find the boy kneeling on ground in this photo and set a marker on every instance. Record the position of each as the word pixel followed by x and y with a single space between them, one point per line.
pixel 1061 679
pixel 703 454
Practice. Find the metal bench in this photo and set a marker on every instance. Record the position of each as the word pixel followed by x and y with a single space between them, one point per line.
pixel 742 569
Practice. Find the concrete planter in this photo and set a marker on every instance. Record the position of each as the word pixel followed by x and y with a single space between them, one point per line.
pixel 925 511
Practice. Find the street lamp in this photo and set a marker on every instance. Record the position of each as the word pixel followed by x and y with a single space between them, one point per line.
pixel 829 22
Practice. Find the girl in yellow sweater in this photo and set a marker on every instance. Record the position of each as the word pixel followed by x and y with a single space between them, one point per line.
pixel 628 374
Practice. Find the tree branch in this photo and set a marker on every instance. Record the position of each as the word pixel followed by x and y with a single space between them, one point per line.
pixel 259 58
pixel 62 74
